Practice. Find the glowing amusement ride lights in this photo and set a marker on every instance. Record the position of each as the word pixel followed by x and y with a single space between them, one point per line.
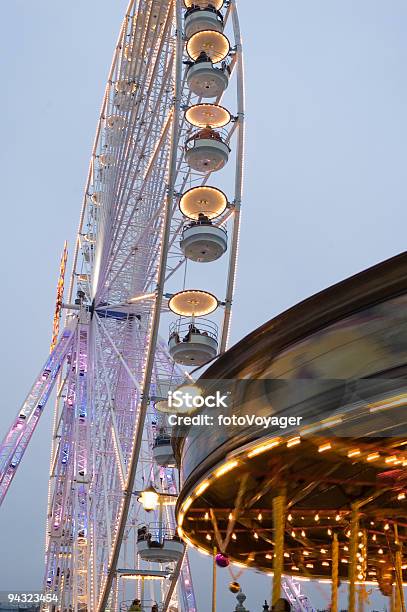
pixel 312 533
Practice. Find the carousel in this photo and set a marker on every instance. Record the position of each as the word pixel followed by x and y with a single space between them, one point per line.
pixel 325 500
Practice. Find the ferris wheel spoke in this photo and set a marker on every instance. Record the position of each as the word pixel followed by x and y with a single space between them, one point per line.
pixel 137 121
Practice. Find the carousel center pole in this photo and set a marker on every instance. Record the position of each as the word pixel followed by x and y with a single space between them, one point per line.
pixel 399 594
pixel 335 573
pixel 353 549
pixel 279 512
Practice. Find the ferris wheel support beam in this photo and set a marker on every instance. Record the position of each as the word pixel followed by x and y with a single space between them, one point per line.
pixel 155 319
pixel 174 579
pixel 238 180
pixel 118 353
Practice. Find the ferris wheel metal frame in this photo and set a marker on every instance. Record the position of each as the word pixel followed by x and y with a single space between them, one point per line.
pixel 109 360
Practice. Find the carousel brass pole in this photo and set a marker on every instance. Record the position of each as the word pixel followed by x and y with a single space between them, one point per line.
pixel 335 573
pixel 399 594
pixel 392 600
pixel 353 549
pixel 279 511
pixel 361 598
pixel 214 580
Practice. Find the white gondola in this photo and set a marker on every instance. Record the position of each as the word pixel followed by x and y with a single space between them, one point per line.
pixel 159 545
pixel 205 151
pixel 163 452
pixel 207 81
pixel 106 160
pixel 203 242
pixel 96 198
pixel 124 96
pixel 197 20
pixel 114 126
pixel 193 343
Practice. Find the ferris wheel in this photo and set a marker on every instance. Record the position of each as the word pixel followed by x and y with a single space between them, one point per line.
pixel 149 302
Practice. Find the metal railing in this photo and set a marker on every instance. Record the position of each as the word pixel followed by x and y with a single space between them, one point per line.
pixel 203 222
pixel 157 533
pixel 218 135
pixel 184 329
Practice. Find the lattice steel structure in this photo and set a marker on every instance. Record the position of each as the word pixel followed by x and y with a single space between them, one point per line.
pixel 111 362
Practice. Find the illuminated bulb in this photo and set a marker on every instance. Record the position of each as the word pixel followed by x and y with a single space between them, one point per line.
pixel 360 533
pixel 374 538
pixel 286 554
pixel 316 517
pixel 206 517
pixel 323 551
pixel 348 533
pixel 202 487
pixel 391 459
pixel 360 576
pixel 372 457
pixel 260 516
pixel 230 517
pixel 208 536
pixel 306 553
pixel 372 523
pixel 329 531
pixel 293 534
pixel 303 533
pixel 360 545
pixel 338 517
pixel 268 556
pixel 324 447
pixel 401 496
pixel 149 499
pixel 325 563
pixel 380 551
pixel 345 548
pixel 295 568
pixel 309 565
pixel 386 527
pixel 354 453
pixel 234 536
pixel 256 537
pixel 344 561
pixel 290 517
pixel 293 441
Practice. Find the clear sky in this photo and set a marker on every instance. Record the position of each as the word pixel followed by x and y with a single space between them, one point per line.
pixel 325 189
